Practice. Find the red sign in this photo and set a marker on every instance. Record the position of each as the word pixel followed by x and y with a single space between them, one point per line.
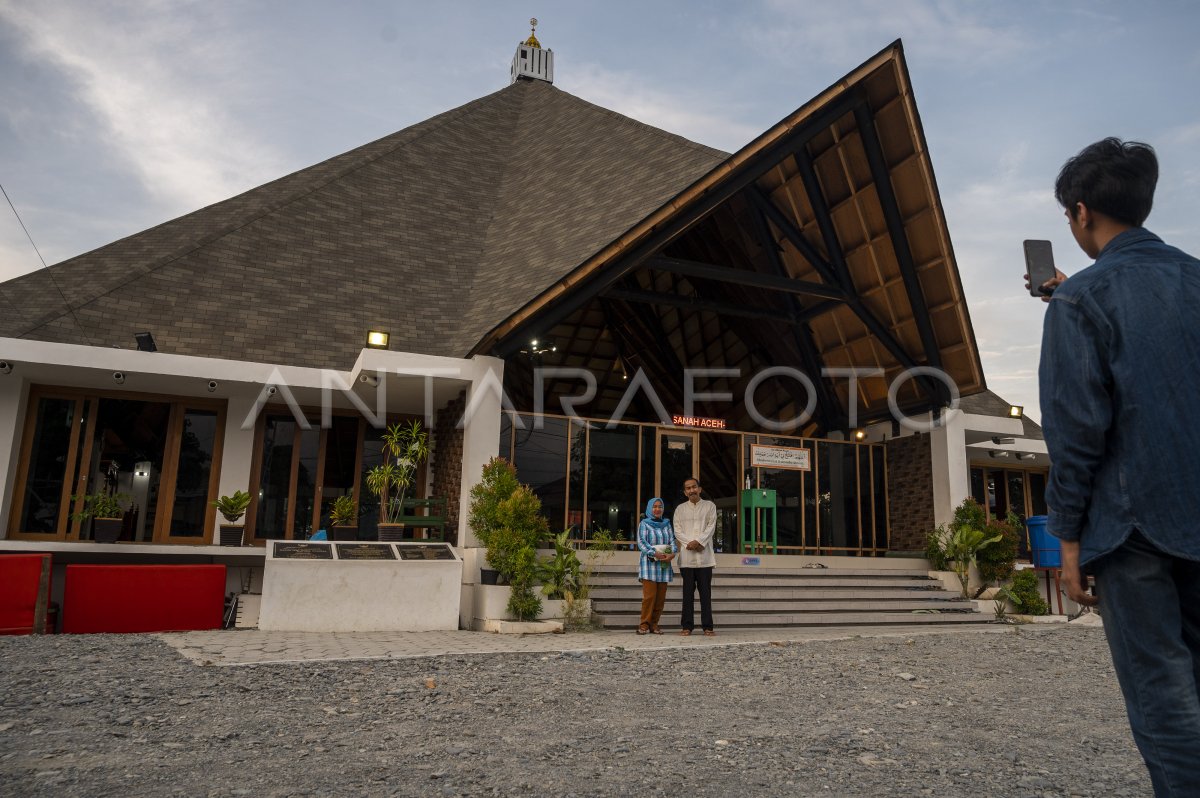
pixel 695 421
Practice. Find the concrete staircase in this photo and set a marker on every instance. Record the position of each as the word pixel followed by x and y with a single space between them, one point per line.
pixel 772 597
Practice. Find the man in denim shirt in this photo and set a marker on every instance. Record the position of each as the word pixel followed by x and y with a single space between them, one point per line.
pixel 1120 390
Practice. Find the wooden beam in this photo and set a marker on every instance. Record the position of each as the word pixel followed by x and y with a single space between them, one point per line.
pixel 750 279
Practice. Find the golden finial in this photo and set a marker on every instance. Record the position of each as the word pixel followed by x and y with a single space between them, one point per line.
pixel 532 40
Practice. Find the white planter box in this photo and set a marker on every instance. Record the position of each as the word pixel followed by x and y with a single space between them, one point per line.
pixel 491 604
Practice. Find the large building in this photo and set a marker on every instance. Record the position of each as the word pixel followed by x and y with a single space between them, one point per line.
pixel 789 317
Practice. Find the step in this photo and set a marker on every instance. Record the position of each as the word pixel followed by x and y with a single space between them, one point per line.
pixel 736 620
pixel 909 573
pixel 784 581
pixel 790 607
pixel 789 593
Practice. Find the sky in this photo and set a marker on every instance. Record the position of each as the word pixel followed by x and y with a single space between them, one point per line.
pixel 118 116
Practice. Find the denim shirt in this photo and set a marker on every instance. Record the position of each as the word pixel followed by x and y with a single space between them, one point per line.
pixel 1120 392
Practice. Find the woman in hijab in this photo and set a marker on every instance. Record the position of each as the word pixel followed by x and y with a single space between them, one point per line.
pixel 656 539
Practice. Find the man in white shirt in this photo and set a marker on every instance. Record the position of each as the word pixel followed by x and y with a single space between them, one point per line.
pixel 695 523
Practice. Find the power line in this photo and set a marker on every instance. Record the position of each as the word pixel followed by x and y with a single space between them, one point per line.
pixel 46 266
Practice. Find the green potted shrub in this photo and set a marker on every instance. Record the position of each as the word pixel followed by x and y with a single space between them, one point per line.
pixel 343 519
pixel 507 518
pixel 405 447
pixel 232 508
pixel 106 514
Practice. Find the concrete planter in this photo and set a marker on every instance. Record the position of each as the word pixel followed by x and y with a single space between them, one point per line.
pixel 491 605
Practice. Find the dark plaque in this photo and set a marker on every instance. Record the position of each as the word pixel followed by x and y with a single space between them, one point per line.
pixel 293 550
pixel 426 551
pixel 365 551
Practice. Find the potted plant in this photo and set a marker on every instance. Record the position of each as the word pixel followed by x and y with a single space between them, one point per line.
pixel 106 513
pixel 232 508
pixel 405 447
pixel 343 519
pixel 507 518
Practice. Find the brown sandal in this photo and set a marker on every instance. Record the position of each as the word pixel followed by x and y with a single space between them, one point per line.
pixel 656 630
pixel 709 633
pixel 685 632
pixel 642 630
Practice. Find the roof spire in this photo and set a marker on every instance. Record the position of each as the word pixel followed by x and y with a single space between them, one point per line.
pixel 530 60
pixel 532 40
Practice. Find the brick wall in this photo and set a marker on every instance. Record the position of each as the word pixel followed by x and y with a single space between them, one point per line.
pixel 447 461
pixel 910 491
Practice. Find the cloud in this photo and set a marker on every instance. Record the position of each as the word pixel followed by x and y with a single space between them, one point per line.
pixel 159 88
pixel 682 112
pixel 944 31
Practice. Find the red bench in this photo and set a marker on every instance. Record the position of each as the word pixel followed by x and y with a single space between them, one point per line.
pixel 143 598
pixel 24 593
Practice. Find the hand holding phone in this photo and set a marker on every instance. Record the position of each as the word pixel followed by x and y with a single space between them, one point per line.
pixel 1039 267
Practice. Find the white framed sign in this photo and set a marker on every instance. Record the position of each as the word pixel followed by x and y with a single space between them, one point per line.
pixel 780 457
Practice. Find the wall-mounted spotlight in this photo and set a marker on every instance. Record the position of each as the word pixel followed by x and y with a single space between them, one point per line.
pixel 1016 411
pixel 5 367
pixel 212 385
pixel 377 339
pixel 998 453
pixel 860 435
pixel 1000 440
pixel 1026 456
pixel 369 379
pixel 119 377
pixel 145 342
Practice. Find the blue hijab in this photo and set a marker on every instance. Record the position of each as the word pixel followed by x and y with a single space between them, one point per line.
pixel 661 524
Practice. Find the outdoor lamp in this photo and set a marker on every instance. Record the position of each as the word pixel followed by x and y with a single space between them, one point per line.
pixel 1026 456
pixel 1000 440
pixel 860 434
pixel 998 453
pixel 377 339
pixel 1015 411
pixel 145 342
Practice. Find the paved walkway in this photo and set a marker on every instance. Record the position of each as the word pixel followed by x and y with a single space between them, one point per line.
pixel 253 647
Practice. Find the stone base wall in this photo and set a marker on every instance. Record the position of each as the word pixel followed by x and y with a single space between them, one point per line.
pixel 910 491
pixel 447 461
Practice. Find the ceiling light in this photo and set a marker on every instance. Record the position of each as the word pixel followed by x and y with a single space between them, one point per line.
pixel 998 453
pixel 1000 440
pixel 860 434
pixel 1026 456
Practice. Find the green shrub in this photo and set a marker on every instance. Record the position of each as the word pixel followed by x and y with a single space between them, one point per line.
pixel 1024 594
pixel 997 562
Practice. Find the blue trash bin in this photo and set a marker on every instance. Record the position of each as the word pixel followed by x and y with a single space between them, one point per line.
pixel 1047 549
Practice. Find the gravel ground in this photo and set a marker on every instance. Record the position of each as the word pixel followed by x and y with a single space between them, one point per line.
pixel 1034 712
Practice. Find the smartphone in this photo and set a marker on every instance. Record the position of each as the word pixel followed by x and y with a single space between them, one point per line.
pixel 1039 266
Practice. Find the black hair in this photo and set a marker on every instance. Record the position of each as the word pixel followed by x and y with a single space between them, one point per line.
pixel 1112 177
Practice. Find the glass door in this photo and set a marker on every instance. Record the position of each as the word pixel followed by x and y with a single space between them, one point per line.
pixel 678 459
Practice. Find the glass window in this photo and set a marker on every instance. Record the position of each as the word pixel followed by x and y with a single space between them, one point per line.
pixel 838 496
pixel 193 474
pixel 1037 492
pixel 46 472
pixel 576 517
pixel 646 488
pixel 722 482
pixel 788 485
pixel 368 502
pixel 306 483
pixel 279 440
pixel 612 479
pixel 979 490
pixel 881 518
pixel 341 452
pixel 866 499
pixel 540 457
pixel 127 449
pixel 505 446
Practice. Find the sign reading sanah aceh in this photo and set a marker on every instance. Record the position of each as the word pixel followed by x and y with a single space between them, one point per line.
pixel 697 421
pixel 780 457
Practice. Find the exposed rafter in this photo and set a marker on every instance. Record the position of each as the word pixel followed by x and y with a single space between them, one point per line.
pixel 729 274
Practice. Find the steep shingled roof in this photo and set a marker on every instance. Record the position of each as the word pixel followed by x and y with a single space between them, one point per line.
pixel 436 233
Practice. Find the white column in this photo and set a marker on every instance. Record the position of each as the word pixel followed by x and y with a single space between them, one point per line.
pixel 237 449
pixel 13 396
pixel 951 471
pixel 481 435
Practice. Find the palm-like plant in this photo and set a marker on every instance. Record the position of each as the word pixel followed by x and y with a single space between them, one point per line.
pixel 405 447
pixel 962 550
